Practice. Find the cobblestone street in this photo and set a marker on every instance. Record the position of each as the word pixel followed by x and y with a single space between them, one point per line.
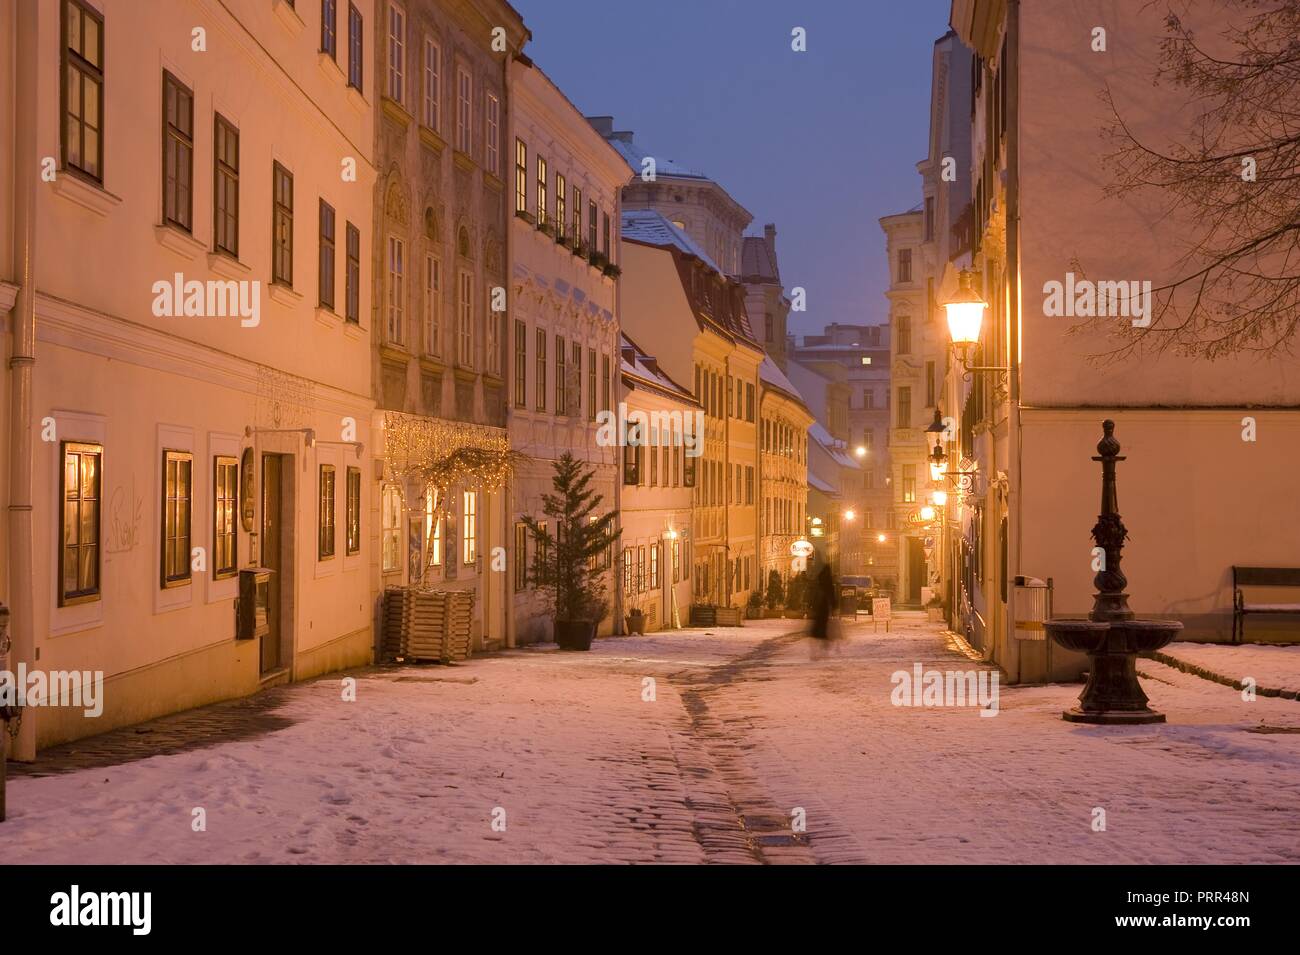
pixel 694 746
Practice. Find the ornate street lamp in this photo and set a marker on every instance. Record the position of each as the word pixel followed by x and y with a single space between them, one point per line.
pixel 965 316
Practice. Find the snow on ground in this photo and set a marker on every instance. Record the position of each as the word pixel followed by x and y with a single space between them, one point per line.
pixel 746 726
pixel 1273 666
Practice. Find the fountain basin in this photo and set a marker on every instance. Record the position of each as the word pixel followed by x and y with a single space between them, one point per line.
pixel 1113 694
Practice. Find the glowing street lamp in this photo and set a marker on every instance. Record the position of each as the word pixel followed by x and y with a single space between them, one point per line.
pixel 848 515
pixel 965 312
pixel 880 538
pixel 927 513
pixel 861 451
pixel 939 498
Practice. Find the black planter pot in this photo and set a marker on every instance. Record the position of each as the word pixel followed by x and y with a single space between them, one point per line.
pixel 575 634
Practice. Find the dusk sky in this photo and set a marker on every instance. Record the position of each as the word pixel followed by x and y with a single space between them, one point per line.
pixel 823 143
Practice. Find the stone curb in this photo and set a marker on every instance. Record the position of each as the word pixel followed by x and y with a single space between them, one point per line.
pixel 1207 674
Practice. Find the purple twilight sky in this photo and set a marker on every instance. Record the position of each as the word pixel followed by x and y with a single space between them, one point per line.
pixel 823 143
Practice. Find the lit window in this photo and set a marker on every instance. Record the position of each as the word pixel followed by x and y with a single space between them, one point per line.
pixel 354 511
pixel 225 481
pixel 325 542
pixel 80 531
pixel 469 529
pixel 392 529
pixel 177 499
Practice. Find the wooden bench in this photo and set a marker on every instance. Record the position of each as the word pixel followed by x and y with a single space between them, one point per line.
pixel 1260 577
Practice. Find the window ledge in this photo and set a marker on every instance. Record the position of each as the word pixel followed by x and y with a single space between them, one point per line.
pixel 465 374
pixel 463 160
pixel 328 317
pixel 489 179
pixel 354 331
pixel 180 242
pixel 432 363
pixel 85 194
pixel 284 295
pixel 396 111
pixel 394 353
pixel 356 100
pixel 431 139
pixel 227 266
pixel 329 66
pixel 288 16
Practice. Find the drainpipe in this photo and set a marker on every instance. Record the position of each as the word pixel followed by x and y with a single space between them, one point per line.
pixel 21 362
pixel 507 333
pixel 1015 525
pixel 616 365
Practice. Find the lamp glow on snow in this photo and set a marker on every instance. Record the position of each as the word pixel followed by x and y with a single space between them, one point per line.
pixel 965 312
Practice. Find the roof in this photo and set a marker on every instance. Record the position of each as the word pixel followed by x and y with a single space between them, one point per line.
pixel 819 484
pixel 770 372
pixel 633 154
pixel 833 447
pixel 649 226
pixel 757 260
pixel 645 370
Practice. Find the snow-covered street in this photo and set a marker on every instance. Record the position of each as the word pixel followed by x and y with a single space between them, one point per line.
pixel 693 746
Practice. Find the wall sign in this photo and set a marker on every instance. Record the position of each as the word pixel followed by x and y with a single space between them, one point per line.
pixel 246 503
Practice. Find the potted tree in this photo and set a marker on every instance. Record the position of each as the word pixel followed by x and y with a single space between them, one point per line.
pixel 754 606
pixel 775 595
pixel 636 620
pixel 566 564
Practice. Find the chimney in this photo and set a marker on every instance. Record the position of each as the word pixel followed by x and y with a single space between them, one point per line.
pixel 602 124
pixel 769 237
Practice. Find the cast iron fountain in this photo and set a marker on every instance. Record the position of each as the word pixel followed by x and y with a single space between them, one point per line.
pixel 1112 636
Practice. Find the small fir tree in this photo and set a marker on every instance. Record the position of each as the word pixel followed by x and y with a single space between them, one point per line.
pixel 568 563
pixel 775 590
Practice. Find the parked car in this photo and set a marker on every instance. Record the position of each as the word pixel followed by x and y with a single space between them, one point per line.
pixel 859 588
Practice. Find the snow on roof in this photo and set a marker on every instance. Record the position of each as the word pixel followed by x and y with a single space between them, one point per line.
pixel 819 484
pixel 834 448
pixel 771 372
pixel 646 225
pixel 664 166
pixel 644 366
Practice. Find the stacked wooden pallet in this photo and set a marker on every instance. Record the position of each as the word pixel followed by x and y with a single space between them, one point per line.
pixel 728 617
pixel 428 624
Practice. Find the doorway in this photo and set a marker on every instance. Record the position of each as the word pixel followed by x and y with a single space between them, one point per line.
pixel 915 569
pixel 276 531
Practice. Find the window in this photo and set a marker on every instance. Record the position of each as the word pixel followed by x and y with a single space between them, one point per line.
pixel 79 532
pixel 282 226
pixel 654 464
pixel 492 150
pixel 869 439
pixel 591 384
pixel 577 218
pixel 909 483
pixel 353 530
pixel 392 529
pixel 469 528
pixel 631 464
pixel 576 372
pixel 396 52
pixel 225 497
pixel 465 308
pixel 521 364
pixel 904 408
pixel 749 402
pixel 868 399
pixel 521 176
pixel 395 290
pixel 749 485
pixel 561 205
pixel 904 324
pixel 866 359
pixel 329 28
pixel 492 347
pixel 178 152
pixel 83 91
pixel 688 470
pixel 225 187
pixel 654 566
pixel 627 570
pixel 541 370
pixel 432 66
pixel 353 277
pixel 561 376
pixel 521 555
pixel 542 200
pixel 604 383
pixel 432 304
pixel 605 234
pixel 677 561
pixel 325 538
pixel 433 528
pixel 177 498
pixel 591 226
pixel 463 116
pixel 929 384
pixel 356 49
pixel 929 218
pixel 326 255
pixel 904 265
